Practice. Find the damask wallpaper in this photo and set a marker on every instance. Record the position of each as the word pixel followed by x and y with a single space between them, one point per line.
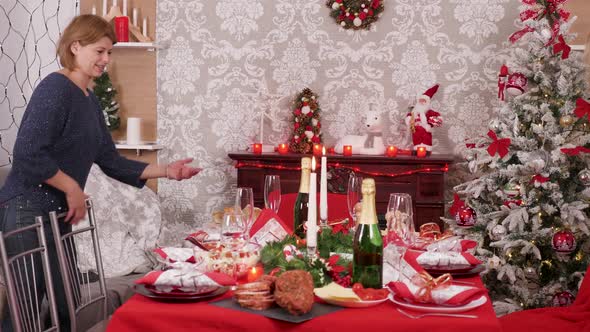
pixel 220 55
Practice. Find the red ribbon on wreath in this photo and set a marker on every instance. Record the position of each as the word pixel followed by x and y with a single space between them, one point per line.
pixel 499 146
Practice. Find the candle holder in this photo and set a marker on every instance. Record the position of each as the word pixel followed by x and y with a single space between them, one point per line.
pixel 283 148
pixel 317 150
pixel 421 152
pixel 391 151
pixel 254 273
pixel 347 150
pixel 257 148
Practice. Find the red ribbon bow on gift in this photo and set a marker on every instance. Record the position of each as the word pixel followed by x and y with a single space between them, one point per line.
pixel 561 46
pixel 498 145
pixel 428 284
pixel 575 151
pixel 582 108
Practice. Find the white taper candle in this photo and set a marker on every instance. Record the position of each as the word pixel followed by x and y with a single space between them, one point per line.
pixel 324 187
pixel 144 27
pixel 124 7
pixel 312 231
pixel 135 16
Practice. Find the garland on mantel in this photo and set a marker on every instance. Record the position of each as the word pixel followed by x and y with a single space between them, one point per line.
pixel 355 14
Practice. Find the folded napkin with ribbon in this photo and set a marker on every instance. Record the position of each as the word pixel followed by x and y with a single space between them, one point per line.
pixel 443 260
pixel 414 284
pixel 184 277
pixel 168 255
pixel 452 243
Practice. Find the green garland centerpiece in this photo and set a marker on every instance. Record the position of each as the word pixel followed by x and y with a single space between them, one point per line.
pixel 355 14
pixel 287 255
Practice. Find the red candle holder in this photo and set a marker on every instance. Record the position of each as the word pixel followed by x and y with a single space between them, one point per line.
pixel 347 150
pixel 421 152
pixel 331 150
pixel 317 149
pixel 254 273
pixel 283 148
pixel 257 148
pixel 391 151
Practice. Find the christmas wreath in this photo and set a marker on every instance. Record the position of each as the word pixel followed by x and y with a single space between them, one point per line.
pixel 306 126
pixel 355 14
pixel 287 254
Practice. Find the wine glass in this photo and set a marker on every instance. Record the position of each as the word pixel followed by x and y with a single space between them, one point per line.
pixel 244 204
pixel 400 231
pixel 353 194
pixel 233 230
pixel 400 218
pixel 272 192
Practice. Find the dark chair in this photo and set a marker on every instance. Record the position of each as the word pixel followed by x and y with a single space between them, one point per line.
pixel 23 282
pixel 86 299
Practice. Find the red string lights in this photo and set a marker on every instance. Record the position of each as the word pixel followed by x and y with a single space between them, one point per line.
pixel 445 169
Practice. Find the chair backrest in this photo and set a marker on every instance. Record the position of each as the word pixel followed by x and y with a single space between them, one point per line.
pixel 86 299
pixel 23 281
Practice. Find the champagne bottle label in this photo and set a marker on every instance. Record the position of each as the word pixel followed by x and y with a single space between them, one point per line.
pixel 367 265
pixel 302 201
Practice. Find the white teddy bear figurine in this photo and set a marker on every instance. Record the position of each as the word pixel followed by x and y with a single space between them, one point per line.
pixel 369 144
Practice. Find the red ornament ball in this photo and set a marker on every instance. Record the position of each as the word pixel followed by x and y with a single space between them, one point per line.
pixel 466 217
pixel 562 299
pixel 564 242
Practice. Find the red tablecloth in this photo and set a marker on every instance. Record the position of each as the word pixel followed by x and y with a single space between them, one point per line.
pixel 143 314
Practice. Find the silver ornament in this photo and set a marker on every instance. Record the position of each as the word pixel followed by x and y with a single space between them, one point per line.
pixel 335 5
pixel 584 177
pixel 498 232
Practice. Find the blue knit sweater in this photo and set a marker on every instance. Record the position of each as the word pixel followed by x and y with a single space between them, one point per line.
pixel 63 129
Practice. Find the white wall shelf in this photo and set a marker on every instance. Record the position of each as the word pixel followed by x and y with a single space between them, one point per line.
pixel 578 47
pixel 148 46
pixel 147 146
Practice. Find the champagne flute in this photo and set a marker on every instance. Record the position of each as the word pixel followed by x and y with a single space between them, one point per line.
pixel 353 195
pixel 244 204
pixel 272 192
pixel 400 230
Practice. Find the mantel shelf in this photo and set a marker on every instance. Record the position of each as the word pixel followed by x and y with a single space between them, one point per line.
pixel 147 146
pixel 149 46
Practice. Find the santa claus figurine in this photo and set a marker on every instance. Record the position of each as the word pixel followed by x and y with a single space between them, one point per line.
pixel 422 119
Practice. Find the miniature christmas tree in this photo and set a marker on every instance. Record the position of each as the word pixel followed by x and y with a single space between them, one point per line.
pixel 105 92
pixel 306 123
pixel 528 207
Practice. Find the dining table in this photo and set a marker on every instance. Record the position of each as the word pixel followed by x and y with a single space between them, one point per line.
pixel 141 313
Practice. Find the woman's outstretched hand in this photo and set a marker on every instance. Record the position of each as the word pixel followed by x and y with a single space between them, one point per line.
pixel 178 170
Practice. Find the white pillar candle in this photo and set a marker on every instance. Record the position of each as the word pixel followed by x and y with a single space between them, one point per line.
pixel 324 187
pixel 312 232
pixel 93 10
pixel 124 7
pixel 104 7
pixel 135 16
pixel 134 131
pixel 144 27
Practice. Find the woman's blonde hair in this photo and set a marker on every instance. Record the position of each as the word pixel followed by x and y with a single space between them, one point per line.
pixel 85 29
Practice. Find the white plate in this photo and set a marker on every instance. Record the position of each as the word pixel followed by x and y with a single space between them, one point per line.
pixel 351 303
pixel 438 308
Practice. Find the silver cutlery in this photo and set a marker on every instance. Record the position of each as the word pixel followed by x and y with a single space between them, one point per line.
pixel 440 314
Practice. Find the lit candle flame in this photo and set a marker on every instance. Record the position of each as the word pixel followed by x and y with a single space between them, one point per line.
pixel 313 164
pixel 323 151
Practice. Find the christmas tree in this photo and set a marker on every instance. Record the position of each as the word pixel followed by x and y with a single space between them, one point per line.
pixel 306 122
pixel 105 92
pixel 529 203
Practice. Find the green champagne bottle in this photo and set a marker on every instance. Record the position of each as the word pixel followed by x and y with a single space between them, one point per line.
pixel 302 201
pixel 367 263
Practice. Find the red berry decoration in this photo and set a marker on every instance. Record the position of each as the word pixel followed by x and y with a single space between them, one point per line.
pixel 562 299
pixel 466 217
pixel 564 242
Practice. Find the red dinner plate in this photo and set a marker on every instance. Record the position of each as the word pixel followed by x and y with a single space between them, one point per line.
pixel 179 293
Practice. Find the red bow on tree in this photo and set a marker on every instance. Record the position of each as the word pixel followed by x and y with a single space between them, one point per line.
pixel 553 12
pixel 458 204
pixel 562 46
pixel 582 108
pixel 498 145
pixel 575 151
pixel 539 178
